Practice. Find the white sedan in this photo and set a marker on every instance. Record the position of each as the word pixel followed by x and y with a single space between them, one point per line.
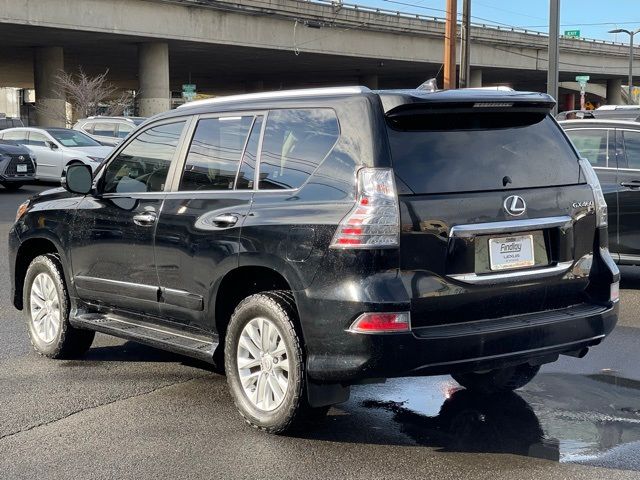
pixel 55 148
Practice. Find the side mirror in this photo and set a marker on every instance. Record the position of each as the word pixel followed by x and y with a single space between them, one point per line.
pixel 77 179
pixel 51 145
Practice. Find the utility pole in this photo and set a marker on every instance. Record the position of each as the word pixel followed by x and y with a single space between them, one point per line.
pixel 465 36
pixel 631 35
pixel 450 45
pixel 554 52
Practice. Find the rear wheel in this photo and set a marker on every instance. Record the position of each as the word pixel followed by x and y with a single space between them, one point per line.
pixel 499 380
pixel 46 307
pixel 264 363
pixel 12 187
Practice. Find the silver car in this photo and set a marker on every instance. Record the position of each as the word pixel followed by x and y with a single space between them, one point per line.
pixel 108 130
pixel 55 148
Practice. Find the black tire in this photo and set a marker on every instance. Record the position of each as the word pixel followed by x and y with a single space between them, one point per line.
pixel 294 410
pixel 68 342
pixel 499 380
pixel 12 187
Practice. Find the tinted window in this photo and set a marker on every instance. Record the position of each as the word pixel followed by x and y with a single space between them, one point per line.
pixel 88 127
pixel 295 142
pixel 214 154
pixel 72 138
pixel 592 145
pixel 458 152
pixel 632 148
pixel 104 129
pixel 37 139
pixel 144 163
pixel 15 137
pixel 246 174
pixel 124 130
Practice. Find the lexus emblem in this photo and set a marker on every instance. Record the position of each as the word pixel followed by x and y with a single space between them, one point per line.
pixel 514 205
pixel 21 157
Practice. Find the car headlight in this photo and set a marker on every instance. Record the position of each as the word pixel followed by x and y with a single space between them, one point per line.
pixel 22 209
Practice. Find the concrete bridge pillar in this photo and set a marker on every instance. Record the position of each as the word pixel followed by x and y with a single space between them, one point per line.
pixel 475 79
pixel 153 78
pixel 370 81
pixel 614 92
pixel 50 102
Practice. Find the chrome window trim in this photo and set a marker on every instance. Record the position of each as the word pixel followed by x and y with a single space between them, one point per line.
pixel 514 275
pixel 474 229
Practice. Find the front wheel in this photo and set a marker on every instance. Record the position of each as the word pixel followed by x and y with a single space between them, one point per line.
pixel 46 307
pixel 264 363
pixel 499 380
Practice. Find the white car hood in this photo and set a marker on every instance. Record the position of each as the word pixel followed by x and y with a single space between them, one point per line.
pixel 100 152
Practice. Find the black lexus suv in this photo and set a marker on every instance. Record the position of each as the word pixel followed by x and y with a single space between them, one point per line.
pixel 309 240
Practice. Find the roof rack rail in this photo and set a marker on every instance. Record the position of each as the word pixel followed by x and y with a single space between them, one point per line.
pixel 305 92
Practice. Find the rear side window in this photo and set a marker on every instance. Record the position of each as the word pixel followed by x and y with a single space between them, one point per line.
pixel 592 145
pixel 124 129
pixel 16 138
pixel 295 143
pixel 462 152
pixel 632 149
pixel 104 129
pixel 214 154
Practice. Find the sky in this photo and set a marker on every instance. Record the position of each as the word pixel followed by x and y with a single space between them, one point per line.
pixel 594 18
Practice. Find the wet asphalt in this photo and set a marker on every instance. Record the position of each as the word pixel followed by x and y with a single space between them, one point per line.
pixel 130 411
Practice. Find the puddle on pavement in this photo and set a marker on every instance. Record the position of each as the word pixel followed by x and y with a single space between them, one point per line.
pixel 559 416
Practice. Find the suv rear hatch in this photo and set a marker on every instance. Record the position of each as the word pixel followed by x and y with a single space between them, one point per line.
pixel 493 211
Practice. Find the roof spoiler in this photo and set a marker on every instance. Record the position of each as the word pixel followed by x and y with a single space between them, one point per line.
pixel 503 105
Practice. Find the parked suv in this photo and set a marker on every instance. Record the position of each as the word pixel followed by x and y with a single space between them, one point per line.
pixel 613 149
pixel 17 166
pixel 108 130
pixel 311 240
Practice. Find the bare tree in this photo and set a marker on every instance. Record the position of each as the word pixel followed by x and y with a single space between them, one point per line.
pixel 87 95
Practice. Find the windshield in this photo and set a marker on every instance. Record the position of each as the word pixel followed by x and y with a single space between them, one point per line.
pixel 73 138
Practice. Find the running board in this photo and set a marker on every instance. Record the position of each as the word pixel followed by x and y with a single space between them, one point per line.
pixel 144 331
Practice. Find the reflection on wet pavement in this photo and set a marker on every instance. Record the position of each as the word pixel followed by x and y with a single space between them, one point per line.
pixel 591 419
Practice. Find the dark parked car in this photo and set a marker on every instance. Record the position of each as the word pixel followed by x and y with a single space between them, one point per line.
pixel 17 166
pixel 613 149
pixel 311 240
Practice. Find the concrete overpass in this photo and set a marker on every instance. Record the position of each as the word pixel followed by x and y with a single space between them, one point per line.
pixel 154 46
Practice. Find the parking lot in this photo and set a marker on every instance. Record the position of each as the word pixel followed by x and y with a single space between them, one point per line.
pixel 130 411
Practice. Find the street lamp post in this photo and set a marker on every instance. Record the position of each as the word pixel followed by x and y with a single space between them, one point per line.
pixel 631 35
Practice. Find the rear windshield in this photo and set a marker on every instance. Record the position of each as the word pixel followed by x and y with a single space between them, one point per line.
pixel 458 152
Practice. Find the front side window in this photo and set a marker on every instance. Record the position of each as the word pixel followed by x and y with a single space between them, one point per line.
pixel 214 154
pixel 143 165
pixel 124 130
pixel 295 143
pixel 592 145
pixel 37 140
pixel 632 148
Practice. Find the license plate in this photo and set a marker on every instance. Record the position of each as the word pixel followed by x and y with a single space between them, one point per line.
pixel 511 252
pixel 22 168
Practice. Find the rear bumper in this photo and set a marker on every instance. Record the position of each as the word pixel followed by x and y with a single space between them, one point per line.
pixel 469 346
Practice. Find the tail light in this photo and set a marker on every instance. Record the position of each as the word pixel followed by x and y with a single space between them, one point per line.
pixel 381 323
pixel 374 221
pixel 598 196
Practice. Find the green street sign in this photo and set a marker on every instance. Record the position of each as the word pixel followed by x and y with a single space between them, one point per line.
pixel 572 33
pixel 188 87
pixel 582 78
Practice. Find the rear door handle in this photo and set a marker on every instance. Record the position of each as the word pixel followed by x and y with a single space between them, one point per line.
pixel 631 184
pixel 145 219
pixel 225 220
